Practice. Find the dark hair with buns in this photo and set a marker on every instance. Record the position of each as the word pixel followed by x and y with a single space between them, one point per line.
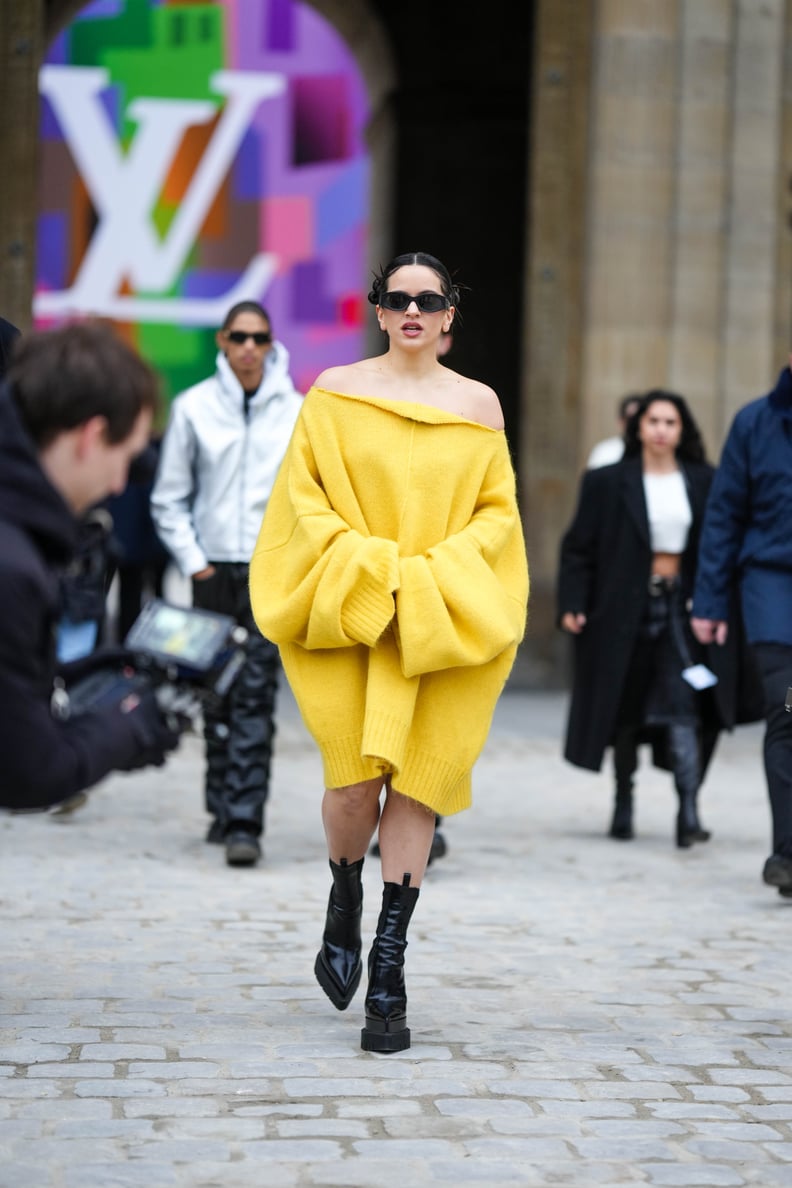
pixel 380 283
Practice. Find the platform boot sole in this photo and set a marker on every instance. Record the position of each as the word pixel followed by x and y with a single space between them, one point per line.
pixel 385 1035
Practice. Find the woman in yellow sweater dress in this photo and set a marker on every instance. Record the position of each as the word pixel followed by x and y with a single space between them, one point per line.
pixel 390 569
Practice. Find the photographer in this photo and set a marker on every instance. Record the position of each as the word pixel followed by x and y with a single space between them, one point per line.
pixel 76 408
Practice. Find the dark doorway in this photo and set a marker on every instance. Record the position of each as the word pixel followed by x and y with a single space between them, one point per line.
pixel 462 118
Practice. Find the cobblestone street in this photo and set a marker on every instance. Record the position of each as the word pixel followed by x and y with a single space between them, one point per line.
pixel 583 1011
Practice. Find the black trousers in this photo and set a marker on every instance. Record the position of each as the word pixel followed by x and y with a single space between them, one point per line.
pixel 774 661
pixel 239 734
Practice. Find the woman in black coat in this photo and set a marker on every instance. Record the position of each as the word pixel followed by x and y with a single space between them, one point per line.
pixel 626 576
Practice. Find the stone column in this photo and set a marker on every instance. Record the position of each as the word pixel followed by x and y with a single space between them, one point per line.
pixel 22 35
pixel 554 315
pixel 699 234
pixel 750 276
pixel 632 188
pixel 689 260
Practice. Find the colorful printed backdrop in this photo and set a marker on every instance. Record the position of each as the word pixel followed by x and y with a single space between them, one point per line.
pixel 197 154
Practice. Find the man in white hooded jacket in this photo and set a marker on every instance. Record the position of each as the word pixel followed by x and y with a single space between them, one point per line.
pixel 222 449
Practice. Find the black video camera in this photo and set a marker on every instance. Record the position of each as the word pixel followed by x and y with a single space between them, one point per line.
pixel 189 657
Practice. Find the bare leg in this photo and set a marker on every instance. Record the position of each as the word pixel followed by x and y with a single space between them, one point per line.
pixel 350 816
pixel 405 838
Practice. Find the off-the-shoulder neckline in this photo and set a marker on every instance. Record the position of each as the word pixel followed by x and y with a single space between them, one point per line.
pixel 408 408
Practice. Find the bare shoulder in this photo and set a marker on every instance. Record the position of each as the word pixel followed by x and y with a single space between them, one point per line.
pixel 347 377
pixel 478 402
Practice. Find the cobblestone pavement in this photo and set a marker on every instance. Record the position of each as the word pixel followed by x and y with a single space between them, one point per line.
pixel 583 1011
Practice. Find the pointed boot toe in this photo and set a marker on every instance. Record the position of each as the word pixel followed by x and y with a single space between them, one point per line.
pixel 339 966
pixel 338 971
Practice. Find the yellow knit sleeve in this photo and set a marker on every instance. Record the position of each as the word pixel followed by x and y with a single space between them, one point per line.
pixel 316 580
pixel 464 601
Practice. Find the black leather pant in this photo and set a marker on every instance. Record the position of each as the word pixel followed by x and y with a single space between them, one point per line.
pixel 654 695
pixel 774 661
pixel 239 733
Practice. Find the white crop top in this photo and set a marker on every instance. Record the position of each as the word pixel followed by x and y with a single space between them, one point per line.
pixel 668 509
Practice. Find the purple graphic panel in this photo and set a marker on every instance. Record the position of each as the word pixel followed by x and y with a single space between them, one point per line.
pixel 197 154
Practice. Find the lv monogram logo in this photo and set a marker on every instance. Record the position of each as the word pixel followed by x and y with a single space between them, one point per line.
pixel 124 188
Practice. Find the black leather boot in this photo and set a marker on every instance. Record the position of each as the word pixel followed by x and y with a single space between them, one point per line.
pixel 386 1027
pixel 689 829
pixel 686 760
pixel 621 826
pixel 338 965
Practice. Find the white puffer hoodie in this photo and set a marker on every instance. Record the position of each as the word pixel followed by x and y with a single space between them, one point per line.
pixel 217 466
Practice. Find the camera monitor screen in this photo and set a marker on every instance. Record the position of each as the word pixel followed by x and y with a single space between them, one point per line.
pixel 181 634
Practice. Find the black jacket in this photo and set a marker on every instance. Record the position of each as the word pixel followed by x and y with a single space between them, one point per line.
pixel 42 760
pixel 605 564
pixel 8 335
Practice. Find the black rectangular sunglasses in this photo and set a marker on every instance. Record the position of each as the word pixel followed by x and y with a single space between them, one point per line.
pixel 260 337
pixel 427 302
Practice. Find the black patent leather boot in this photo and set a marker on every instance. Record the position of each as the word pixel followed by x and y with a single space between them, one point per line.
pixel 338 965
pixel 686 760
pixel 386 1027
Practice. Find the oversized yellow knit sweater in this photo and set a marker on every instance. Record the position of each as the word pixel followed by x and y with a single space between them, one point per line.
pixel 390 569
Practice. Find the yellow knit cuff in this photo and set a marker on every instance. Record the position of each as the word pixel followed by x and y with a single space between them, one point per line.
pixel 366 614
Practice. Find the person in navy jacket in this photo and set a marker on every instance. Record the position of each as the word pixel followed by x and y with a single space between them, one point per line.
pixel 746 538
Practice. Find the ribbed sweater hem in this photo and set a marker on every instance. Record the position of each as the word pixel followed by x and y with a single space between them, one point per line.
pixel 441 785
pixel 385 736
pixel 434 781
pixel 344 762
